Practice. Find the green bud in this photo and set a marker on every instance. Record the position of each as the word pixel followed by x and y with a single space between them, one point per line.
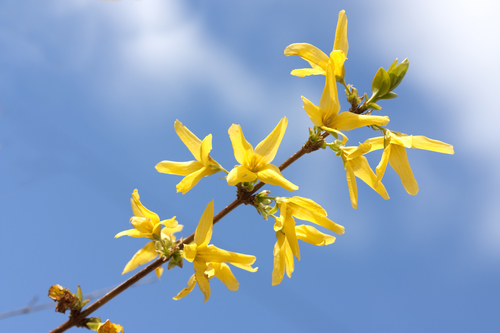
pixel 93 323
pixel 374 106
pixel 79 293
pixel 397 72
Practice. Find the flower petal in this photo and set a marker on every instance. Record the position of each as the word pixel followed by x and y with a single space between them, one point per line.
pixel 302 213
pixel 312 236
pixel 346 121
pixel 308 52
pixel 399 162
pixel 308 204
pixel 289 230
pixel 130 232
pixel 203 232
pixel 206 147
pixel 421 142
pixel 376 143
pixel 329 102
pixel 266 150
pixel 243 151
pixel 189 139
pixel 240 174
pixel 290 266
pixel 190 285
pixel 138 206
pixel 213 254
pixel 190 251
pixel 271 175
pixel 351 184
pixel 363 171
pixel 178 168
pixel 223 273
pixel 337 58
pixel 308 71
pixel 279 259
pixel 159 272
pixel 341 34
pixel 188 182
pixel 382 165
pixel 143 256
pixel 313 111
pixel 201 279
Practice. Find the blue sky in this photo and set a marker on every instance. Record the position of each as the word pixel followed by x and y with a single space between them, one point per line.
pixel 90 90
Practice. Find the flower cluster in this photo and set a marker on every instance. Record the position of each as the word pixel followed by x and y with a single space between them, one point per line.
pixel 255 165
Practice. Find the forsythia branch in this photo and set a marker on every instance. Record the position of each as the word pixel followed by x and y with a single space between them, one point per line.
pixel 244 196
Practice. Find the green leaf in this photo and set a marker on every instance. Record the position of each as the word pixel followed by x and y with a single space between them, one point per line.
pixel 389 95
pixel 85 302
pixel 381 83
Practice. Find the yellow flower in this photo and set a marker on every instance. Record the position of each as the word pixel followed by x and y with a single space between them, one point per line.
pixel 147 225
pixel 318 60
pixel 209 261
pixel 109 327
pixel 327 116
pixel 395 154
pixel 256 164
pixel 356 165
pixel 287 233
pixel 192 170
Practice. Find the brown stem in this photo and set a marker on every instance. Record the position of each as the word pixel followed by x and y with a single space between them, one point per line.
pixel 308 147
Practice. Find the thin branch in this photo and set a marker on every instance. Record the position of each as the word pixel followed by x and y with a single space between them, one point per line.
pixel 308 147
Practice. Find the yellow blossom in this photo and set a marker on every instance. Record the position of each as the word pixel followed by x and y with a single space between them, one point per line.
pixel 327 115
pixel 203 166
pixel 109 327
pixel 356 165
pixel 394 153
pixel 256 164
pixel 209 261
pixel 318 60
pixel 287 233
pixel 147 225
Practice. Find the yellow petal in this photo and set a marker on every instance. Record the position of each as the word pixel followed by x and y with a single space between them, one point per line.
pixel 271 175
pixel 159 272
pixel 213 254
pixel 266 150
pixel 376 143
pixel 206 147
pixel 240 174
pixel 190 251
pixel 351 184
pixel 312 236
pixel 203 232
pixel 313 111
pixel 201 279
pixel 399 162
pixel 303 213
pixel 223 273
pixel 279 259
pixel 190 285
pixel 382 165
pixel 338 58
pixel 363 171
pixel 308 204
pixel 143 224
pixel 341 34
pixel 421 142
pixel 190 140
pixel 344 137
pixel 143 256
pixel 347 121
pixel 308 71
pixel 329 102
pixel 109 327
pixel 243 151
pixel 138 206
pixel 289 230
pixel 131 232
pixel 188 182
pixel 245 267
pixel 290 266
pixel 178 168
pixel 351 153
pixel 308 52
